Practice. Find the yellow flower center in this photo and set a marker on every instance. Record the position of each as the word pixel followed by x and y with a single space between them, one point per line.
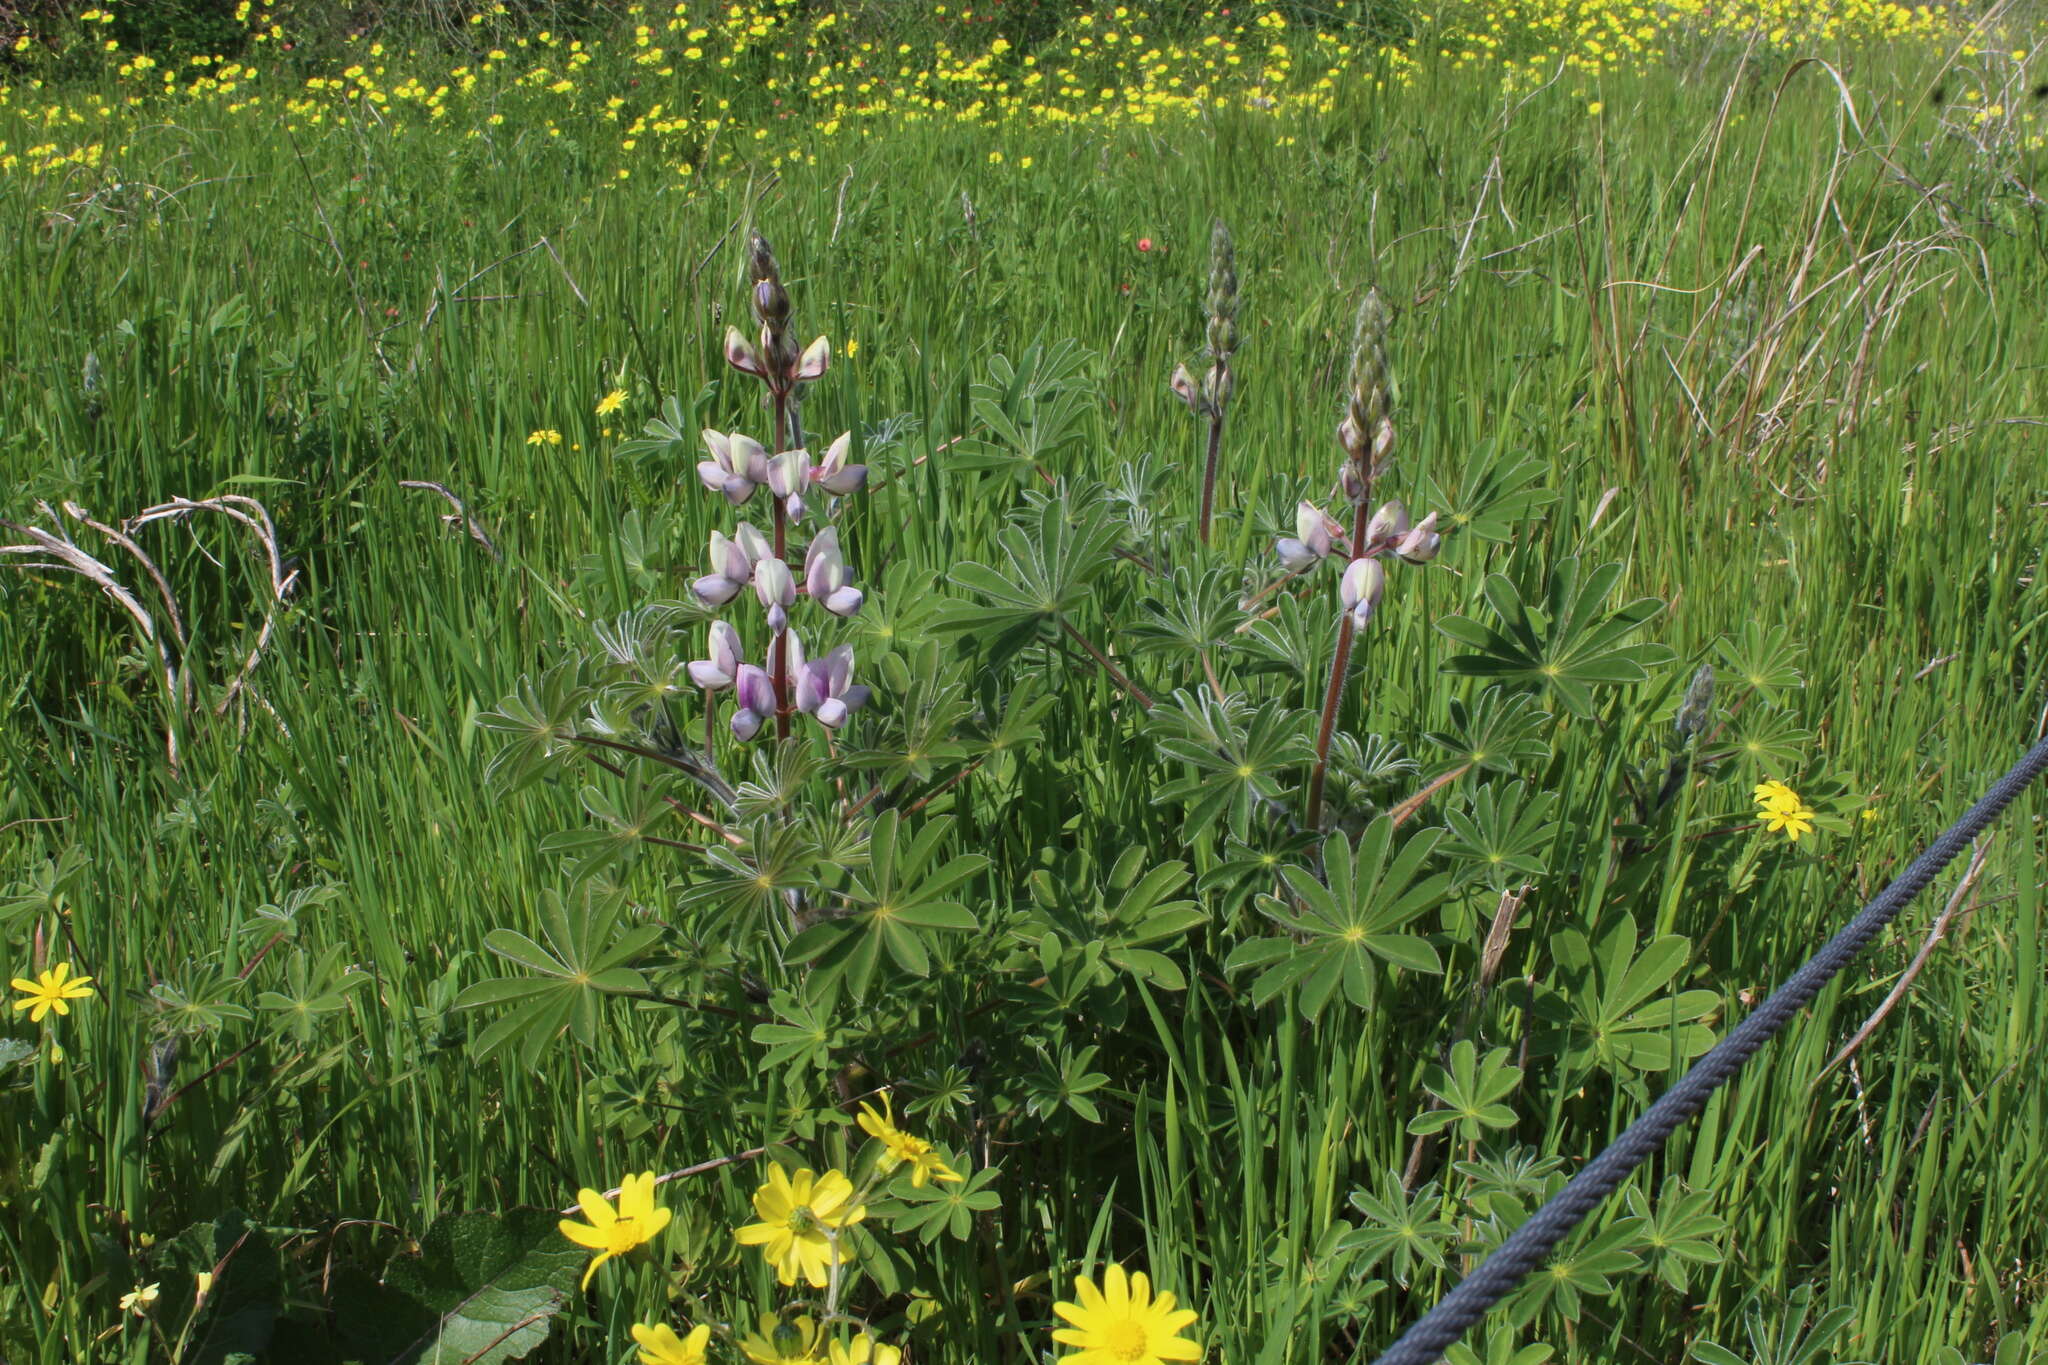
pixel 1125 1340
pixel 623 1236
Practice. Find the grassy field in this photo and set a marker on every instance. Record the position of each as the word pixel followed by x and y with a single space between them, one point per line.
pixel 413 897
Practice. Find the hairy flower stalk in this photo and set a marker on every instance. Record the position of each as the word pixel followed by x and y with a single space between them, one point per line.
pixel 1212 399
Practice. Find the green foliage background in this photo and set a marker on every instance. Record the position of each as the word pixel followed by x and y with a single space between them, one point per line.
pixel 1736 348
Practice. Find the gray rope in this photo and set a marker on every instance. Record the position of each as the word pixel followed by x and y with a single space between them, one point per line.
pixel 1499 1274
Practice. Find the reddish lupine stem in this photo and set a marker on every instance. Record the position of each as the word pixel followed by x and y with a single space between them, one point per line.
pixel 1333 696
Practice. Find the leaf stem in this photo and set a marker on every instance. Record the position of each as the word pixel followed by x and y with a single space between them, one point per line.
pixel 1116 675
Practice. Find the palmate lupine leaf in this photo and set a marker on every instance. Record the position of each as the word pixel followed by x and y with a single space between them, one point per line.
pixel 1050 554
pixel 1502 836
pixel 1607 1002
pixel 1188 614
pixel 1682 1231
pixel 945 1208
pixel 1405 1230
pixel 1242 759
pixel 1498 490
pixel 1470 1089
pixel 538 720
pixel 1337 927
pixel 896 901
pixel 1764 657
pixel 1587 1271
pixel 583 955
pixel 1499 731
pixel 1569 644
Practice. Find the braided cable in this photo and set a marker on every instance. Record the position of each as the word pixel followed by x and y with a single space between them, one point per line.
pixel 1499 1274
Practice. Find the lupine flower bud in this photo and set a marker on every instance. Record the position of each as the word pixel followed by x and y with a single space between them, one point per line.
pixel 723 666
pixel 826 577
pixel 815 360
pixel 1420 545
pixel 1217 386
pixel 1363 583
pixel 771 302
pixel 740 353
pixel 825 688
pixel 834 474
pixel 1183 386
pixel 1698 705
pixel 755 692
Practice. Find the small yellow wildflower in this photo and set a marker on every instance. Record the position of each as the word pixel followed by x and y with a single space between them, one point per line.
pixel 1594 109
pixel 53 990
pixel 1793 820
pixel 1123 1324
pixel 611 402
pixel 202 1285
pixel 801 1216
pixel 659 1344
pixel 863 1350
pixel 782 1343
pixel 1775 795
pixel 615 1232
pixel 544 437
pixel 140 1300
pixel 900 1148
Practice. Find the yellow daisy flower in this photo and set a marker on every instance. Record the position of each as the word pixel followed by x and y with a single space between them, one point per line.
pixel 902 1148
pixel 1775 795
pixel 1123 1324
pixel 659 1344
pixel 53 990
pixel 611 402
pixel 544 437
pixel 801 1216
pixel 1794 821
pixel 615 1232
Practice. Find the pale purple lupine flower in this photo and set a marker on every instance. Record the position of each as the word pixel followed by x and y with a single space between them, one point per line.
pixel 755 692
pixel 738 464
pixel 825 688
pixel 1311 542
pixel 834 474
pixel 826 577
pixel 732 564
pixel 1364 581
pixel 1420 545
pixel 725 662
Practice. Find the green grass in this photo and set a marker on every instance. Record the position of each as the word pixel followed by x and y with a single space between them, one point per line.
pixel 1835 436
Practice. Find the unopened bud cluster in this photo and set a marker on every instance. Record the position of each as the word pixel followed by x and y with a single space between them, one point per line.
pixel 736 467
pixel 1366 437
pixel 1212 396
